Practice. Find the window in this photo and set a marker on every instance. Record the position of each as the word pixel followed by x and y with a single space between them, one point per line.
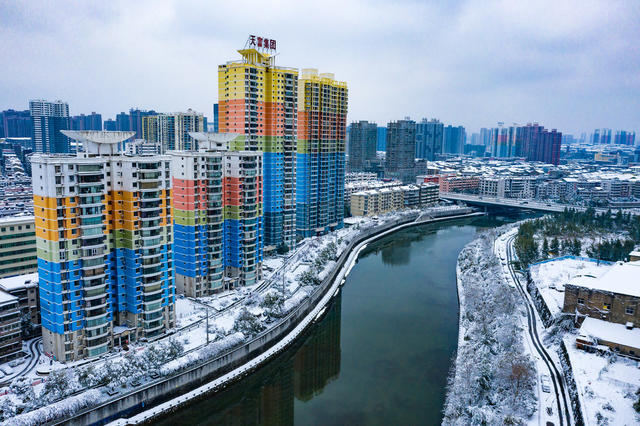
pixel 629 310
pixel 580 301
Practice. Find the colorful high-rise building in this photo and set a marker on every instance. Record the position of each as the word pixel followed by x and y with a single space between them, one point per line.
pixel 623 137
pixel 258 100
pixel 540 144
pixel 243 236
pixel 198 220
pixel 104 243
pixel 135 120
pixel 505 141
pixel 217 215
pixel 322 120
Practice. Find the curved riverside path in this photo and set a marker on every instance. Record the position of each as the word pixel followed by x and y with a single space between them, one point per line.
pixel 379 354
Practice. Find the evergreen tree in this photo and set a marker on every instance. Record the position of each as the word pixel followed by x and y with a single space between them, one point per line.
pixel 555 245
pixel 545 248
pixel 576 247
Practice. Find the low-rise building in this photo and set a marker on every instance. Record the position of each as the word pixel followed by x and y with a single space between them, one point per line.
pixel 10 333
pixel 18 254
pixel 507 186
pixel 25 288
pixel 378 201
pixel 365 185
pixel 613 297
pixel 595 334
pixel 459 184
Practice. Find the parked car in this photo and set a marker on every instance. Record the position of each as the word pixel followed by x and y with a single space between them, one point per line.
pixel 545 383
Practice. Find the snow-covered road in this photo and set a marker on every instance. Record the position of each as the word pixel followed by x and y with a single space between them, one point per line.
pixel 554 401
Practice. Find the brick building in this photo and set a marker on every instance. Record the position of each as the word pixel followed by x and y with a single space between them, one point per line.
pixel 608 308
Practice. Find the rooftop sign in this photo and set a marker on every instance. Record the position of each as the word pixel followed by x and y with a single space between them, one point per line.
pixel 261 43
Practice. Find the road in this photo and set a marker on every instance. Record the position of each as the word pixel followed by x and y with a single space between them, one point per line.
pixel 528 204
pixel 34 357
pixel 562 410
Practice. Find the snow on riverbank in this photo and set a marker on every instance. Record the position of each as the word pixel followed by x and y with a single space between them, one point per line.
pixel 494 378
pixel 232 316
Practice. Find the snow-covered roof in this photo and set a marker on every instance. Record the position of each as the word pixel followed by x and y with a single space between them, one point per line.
pixel 98 136
pixel 19 282
pixel 17 219
pixel 6 297
pixel 351 220
pixel 621 278
pixel 611 332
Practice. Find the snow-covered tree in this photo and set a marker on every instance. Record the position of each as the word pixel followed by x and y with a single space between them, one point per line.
pixel 58 385
pixel 23 391
pixel 247 323
pixel 491 365
pixel 273 303
pixel 7 408
pixel 308 277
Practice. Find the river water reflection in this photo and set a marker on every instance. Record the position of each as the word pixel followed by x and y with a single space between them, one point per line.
pixel 380 355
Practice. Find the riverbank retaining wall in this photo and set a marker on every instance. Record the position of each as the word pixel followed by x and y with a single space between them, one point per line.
pixel 166 388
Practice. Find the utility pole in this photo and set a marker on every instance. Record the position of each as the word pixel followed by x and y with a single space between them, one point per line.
pixel 207 322
pixel 283 275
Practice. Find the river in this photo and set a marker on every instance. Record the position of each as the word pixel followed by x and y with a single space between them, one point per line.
pixel 380 355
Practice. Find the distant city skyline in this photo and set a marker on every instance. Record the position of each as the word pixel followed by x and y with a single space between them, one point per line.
pixel 468 63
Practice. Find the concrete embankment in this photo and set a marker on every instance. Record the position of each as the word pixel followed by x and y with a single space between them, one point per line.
pixel 172 392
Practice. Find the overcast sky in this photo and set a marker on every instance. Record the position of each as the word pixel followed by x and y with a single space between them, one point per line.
pixel 571 65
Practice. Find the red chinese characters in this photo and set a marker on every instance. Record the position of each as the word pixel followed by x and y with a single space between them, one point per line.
pixel 262 42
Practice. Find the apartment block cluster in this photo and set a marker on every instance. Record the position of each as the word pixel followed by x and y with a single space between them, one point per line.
pixel 367 195
pixel 373 202
pixel 620 137
pixel 404 142
pixel 580 184
pixel 410 145
pixel 15 183
pixel 124 218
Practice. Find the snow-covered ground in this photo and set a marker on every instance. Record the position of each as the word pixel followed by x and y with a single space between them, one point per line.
pixel 492 346
pixel 233 317
pixel 606 386
pixel 545 400
pixel 551 276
